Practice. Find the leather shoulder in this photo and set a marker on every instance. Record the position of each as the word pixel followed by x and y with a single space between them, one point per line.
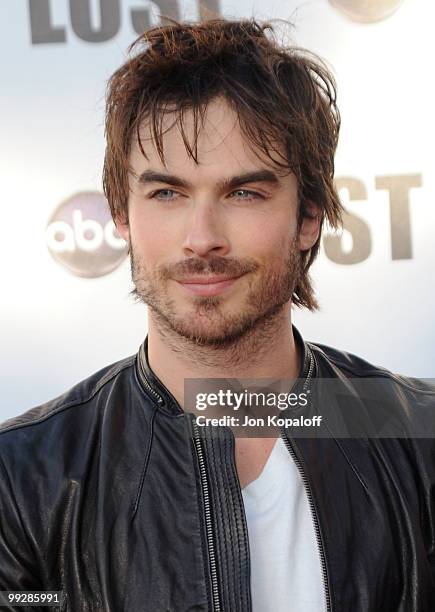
pixel 335 362
pixel 81 393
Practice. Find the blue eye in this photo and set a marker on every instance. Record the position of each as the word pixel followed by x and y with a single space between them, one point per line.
pixel 251 194
pixel 160 191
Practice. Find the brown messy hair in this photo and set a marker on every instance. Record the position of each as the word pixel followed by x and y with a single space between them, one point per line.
pixel 283 95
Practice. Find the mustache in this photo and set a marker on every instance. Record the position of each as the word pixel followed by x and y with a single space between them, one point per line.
pixel 209 266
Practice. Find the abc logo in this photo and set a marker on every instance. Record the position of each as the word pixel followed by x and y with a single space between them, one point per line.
pixel 82 237
pixel 367 11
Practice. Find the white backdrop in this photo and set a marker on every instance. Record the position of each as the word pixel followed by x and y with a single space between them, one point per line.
pixel 375 283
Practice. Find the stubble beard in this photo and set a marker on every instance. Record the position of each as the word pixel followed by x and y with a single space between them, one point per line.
pixel 206 327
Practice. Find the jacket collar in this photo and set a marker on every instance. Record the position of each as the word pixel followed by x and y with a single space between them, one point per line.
pixel 167 403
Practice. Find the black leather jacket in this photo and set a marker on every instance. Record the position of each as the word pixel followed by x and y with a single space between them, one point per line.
pixel 106 495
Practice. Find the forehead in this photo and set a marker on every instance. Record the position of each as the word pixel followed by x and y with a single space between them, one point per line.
pixel 221 143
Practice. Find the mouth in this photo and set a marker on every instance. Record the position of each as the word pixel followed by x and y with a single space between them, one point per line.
pixel 208 285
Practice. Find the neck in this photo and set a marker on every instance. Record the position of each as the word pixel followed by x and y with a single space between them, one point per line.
pixel 268 350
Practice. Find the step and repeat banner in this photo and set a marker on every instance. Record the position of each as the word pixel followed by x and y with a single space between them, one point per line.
pixel 65 305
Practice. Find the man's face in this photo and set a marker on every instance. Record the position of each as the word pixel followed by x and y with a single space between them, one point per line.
pixel 195 223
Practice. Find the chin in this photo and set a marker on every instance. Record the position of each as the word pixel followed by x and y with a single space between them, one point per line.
pixel 208 329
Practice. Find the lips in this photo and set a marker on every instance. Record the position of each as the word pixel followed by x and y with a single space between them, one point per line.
pixel 207 285
pixel 205 280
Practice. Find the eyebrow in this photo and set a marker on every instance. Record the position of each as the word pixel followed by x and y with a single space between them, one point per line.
pixel 257 176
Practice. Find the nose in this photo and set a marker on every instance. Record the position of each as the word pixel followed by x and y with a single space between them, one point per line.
pixel 205 231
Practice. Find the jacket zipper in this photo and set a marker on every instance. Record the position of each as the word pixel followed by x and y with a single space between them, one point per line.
pixel 208 518
pixel 146 383
pixel 307 487
pixel 207 506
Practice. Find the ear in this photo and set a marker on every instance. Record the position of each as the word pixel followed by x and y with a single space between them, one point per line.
pixel 122 227
pixel 310 228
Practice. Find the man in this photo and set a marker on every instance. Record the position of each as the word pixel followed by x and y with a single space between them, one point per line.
pixel 219 174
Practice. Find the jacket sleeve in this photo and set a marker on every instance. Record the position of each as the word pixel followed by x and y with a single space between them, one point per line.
pixel 430 503
pixel 18 566
pixel 424 456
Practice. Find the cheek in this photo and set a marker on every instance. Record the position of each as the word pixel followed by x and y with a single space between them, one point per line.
pixel 271 238
pixel 152 238
pixel 150 247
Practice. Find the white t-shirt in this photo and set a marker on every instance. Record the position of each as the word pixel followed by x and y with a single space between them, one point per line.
pixel 286 573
